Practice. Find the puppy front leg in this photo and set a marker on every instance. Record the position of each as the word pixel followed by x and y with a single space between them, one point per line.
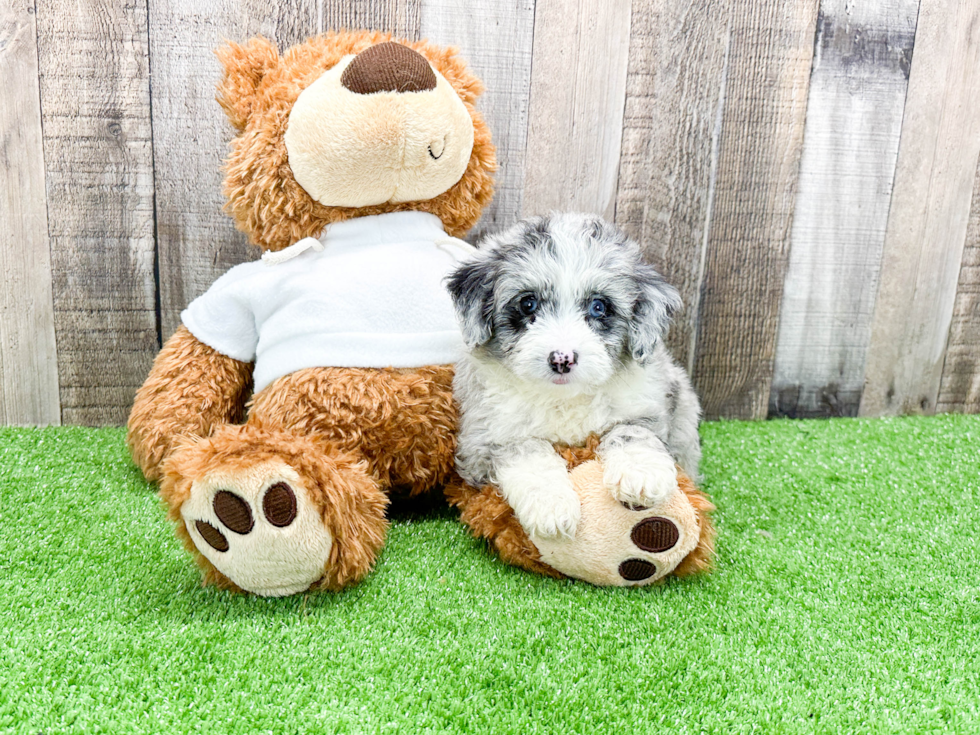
pixel 637 467
pixel 534 480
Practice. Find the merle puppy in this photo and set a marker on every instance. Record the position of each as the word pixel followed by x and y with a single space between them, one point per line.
pixel 564 326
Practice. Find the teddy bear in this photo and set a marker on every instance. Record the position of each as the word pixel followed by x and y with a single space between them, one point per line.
pixel 302 389
pixel 306 388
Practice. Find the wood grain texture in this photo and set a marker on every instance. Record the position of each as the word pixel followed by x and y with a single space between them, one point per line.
pixel 92 392
pixel 400 17
pixel 927 223
pixel 28 359
pixel 959 390
pixel 196 241
pixel 672 120
pixel 854 120
pixel 578 92
pixel 95 99
pixel 748 241
pixel 495 37
pixel 808 182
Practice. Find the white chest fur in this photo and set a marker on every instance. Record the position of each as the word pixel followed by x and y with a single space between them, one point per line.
pixel 507 408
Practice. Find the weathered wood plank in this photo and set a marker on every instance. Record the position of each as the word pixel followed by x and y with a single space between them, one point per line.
pixel 672 120
pixel 94 399
pixel 495 37
pixel 748 241
pixel 95 100
pixel 28 357
pixel 959 390
pixel 927 223
pixel 578 92
pixel 197 242
pixel 850 146
pixel 113 392
pixel 403 18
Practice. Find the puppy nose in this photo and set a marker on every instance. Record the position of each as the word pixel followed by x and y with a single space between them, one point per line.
pixel 562 362
pixel 388 67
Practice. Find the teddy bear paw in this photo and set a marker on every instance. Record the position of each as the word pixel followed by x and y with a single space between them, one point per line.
pixel 618 542
pixel 259 528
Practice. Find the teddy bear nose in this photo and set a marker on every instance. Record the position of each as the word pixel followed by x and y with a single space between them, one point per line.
pixel 388 67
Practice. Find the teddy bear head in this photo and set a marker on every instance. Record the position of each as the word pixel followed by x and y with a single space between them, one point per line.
pixel 351 124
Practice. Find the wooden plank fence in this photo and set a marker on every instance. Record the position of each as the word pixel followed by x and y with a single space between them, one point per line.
pixel 805 171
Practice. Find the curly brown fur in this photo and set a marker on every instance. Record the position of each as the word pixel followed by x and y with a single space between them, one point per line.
pixel 702 558
pixel 190 390
pixel 258 92
pixel 350 502
pixel 489 516
pixel 576 455
pixel 402 421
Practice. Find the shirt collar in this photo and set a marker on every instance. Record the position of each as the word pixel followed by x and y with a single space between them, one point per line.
pixel 384 228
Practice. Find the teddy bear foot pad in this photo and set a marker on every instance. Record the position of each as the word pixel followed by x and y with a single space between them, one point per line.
pixel 621 544
pixel 259 529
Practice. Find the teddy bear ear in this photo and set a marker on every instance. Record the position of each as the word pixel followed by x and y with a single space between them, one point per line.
pixel 245 67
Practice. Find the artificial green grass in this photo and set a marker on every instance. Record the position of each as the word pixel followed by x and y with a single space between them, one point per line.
pixel 847 599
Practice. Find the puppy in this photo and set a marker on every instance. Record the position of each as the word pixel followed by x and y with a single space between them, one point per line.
pixel 564 326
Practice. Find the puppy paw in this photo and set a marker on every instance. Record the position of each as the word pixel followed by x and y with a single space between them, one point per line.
pixel 639 478
pixel 549 512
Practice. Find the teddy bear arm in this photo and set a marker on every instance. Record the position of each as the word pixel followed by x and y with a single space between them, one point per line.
pixel 191 389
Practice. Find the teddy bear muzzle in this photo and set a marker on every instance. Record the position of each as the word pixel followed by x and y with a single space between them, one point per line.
pixel 380 127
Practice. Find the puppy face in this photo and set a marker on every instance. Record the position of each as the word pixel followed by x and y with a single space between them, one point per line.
pixel 562 300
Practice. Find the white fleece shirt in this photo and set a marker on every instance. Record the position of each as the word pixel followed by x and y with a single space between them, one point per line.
pixel 372 297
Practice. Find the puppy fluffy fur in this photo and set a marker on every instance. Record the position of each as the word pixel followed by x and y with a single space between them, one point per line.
pixel 565 326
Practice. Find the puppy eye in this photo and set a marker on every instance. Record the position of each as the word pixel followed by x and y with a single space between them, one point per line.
pixel 529 304
pixel 598 308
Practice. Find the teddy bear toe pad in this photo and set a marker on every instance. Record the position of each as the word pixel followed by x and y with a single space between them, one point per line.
pixel 278 506
pixel 619 543
pixel 655 534
pixel 259 528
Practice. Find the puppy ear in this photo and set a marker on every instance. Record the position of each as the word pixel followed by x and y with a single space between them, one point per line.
pixel 244 67
pixel 654 307
pixel 471 286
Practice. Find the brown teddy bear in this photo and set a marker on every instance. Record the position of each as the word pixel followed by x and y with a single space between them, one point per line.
pixel 357 163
